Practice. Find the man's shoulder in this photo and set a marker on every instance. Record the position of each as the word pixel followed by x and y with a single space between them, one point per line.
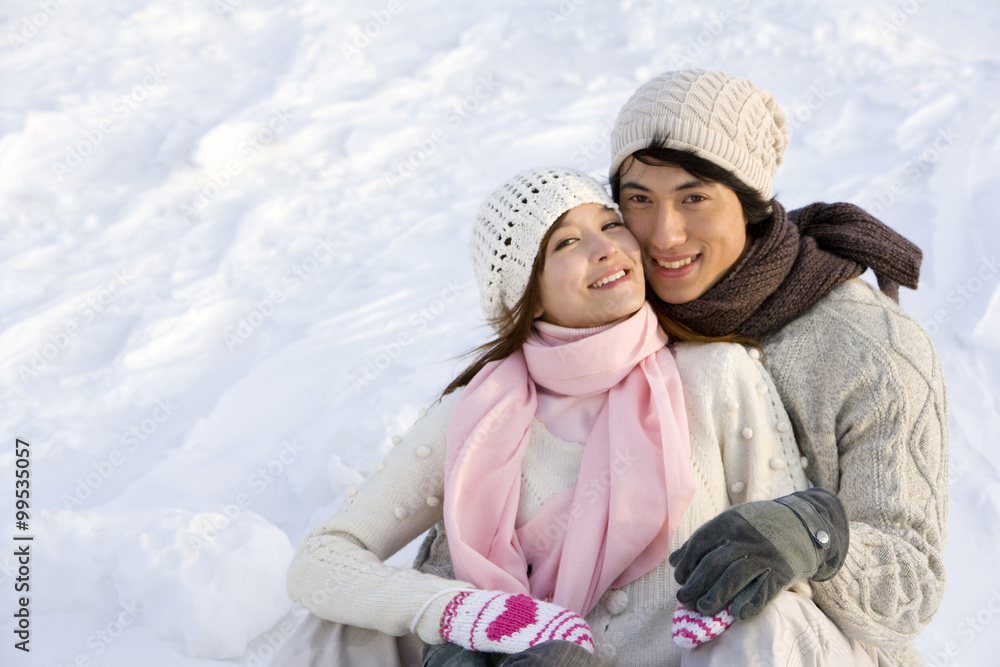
pixel 854 321
pixel 854 306
pixel 857 297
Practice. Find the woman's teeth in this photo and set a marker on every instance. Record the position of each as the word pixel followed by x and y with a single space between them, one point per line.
pixel 677 265
pixel 610 279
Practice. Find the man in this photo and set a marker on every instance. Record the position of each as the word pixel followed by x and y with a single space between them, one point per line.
pixel 693 155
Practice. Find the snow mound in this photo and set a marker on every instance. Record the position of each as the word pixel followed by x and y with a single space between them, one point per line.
pixel 210 580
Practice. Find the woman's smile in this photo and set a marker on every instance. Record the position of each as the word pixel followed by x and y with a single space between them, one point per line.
pixel 612 280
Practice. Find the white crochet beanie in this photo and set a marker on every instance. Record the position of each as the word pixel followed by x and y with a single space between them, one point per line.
pixel 510 226
pixel 722 118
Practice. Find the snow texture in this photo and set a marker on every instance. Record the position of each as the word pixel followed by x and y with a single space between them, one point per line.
pixel 233 263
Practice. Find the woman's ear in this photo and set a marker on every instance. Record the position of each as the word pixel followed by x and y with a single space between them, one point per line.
pixel 539 311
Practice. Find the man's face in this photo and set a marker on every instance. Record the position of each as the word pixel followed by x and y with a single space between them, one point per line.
pixel 691 232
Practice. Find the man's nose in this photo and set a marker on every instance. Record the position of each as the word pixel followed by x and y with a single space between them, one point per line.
pixel 669 230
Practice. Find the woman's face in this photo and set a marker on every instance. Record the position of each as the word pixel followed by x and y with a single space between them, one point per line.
pixel 692 232
pixel 593 270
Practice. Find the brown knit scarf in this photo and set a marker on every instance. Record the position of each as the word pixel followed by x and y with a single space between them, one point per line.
pixel 797 258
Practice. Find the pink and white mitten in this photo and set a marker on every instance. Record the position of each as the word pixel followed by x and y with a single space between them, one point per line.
pixel 693 629
pixel 494 622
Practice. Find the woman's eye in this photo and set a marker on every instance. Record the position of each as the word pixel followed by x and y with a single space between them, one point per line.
pixel 563 243
pixel 613 224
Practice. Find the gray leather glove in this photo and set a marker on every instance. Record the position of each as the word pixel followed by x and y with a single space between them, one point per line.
pixel 745 556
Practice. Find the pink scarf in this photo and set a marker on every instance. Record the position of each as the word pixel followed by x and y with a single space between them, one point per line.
pixel 634 482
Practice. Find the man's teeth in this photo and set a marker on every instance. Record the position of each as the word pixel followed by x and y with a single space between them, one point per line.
pixel 604 281
pixel 676 265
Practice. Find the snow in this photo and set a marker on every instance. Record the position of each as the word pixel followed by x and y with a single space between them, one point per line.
pixel 233 240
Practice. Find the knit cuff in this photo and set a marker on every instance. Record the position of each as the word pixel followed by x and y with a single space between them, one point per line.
pixel 427 622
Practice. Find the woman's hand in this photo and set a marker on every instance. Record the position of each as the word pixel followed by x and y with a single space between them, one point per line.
pixel 495 622
pixel 693 629
pixel 745 556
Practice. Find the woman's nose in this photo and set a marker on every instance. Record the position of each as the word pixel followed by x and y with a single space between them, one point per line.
pixel 604 249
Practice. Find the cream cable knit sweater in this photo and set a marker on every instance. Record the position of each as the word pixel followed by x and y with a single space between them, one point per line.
pixel 742 449
pixel 866 392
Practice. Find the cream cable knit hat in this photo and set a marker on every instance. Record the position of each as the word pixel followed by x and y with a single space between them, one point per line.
pixel 510 226
pixel 726 120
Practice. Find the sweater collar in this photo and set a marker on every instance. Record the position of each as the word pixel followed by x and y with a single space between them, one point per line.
pixel 554 334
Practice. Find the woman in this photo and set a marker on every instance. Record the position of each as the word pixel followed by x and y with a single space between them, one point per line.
pixel 693 155
pixel 564 464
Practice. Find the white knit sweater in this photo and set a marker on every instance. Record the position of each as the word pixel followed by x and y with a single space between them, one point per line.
pixel 742 449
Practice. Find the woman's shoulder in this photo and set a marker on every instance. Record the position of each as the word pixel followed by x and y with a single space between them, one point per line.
pixel 431 424
pixel 691 354
pixel 728 391
pixel 715 363
pixel 437 415
pixel 446 403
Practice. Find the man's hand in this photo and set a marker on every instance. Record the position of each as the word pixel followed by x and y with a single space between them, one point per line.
pixel 745 556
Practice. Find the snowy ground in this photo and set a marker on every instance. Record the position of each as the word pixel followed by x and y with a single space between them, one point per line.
pixel 233 263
